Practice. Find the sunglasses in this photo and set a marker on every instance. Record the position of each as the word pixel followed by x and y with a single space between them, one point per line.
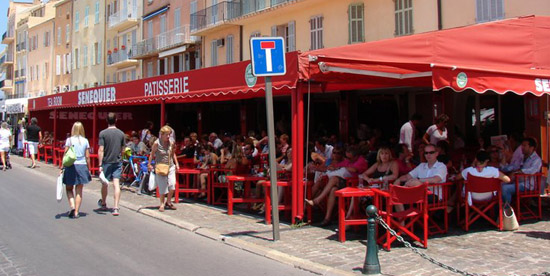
pixel 429 152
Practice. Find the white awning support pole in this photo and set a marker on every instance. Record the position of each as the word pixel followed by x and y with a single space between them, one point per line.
pixel 325 68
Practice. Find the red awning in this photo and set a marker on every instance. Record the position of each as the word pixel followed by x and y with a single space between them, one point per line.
pixel 504 56
pixel 220 83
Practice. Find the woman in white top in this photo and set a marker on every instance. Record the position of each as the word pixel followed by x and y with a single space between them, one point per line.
pixel 79 173
pixel 5 139
pixel 481 169
pixel 437 131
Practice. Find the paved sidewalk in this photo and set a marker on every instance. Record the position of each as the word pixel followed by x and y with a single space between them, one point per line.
pixel 482 251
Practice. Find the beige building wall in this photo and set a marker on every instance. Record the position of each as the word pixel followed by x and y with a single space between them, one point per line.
pixel 378 21
pixel 61 66
pixel 39 59
pixel 87 59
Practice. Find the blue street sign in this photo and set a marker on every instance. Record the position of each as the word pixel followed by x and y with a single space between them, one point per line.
pixel 268 56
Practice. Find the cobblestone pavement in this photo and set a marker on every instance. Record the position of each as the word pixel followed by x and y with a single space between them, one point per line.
pixel 482 250
pixel 11 265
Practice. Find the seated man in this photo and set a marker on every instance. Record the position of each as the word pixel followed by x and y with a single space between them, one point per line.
pixel 531 164
pixel 321 159
pixel 336 180
pixel 431 171
pixel 138 148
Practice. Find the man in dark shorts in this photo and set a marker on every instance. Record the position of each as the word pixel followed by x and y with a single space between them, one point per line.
pixel 111 147
pixel 34 136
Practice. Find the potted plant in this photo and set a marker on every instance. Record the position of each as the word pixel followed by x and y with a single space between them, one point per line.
pixel 123 47
pixel 109 52
pixel 116 50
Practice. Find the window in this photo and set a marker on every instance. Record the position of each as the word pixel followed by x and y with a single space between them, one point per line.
pixel 96 12
pixel 31 72
pixel 86 13
pixel 192 14
pixel 288 31
pixel 58 35
pixel 229 49
pixel 69 62
pixel 98 52
pixel 67 33
pixel 85 56
pixel 37 72
pixel 214 16
pixel 107 79
pixel 403 17
pixel 76 59
pixel 149 69
pixel 177 18
pixel 134 77
pixel 316 32
pixel 47 39
pixel 76 20
pixel 489 10
pixel 46 69
pixel 58 65
pixel 356 31
pixel 150 29
pixel 214 54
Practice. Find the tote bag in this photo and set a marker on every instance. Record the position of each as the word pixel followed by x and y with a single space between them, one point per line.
pixel 69 157
pixel 59 192
pixel 509 220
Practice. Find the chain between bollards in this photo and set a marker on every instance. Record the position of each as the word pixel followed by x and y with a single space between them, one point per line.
pixel 371 265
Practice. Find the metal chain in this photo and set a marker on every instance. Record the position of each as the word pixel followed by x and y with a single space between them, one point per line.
pixel 415 250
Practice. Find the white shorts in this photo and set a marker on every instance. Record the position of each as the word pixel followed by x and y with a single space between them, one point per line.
pixel 33 147
pixel 4 148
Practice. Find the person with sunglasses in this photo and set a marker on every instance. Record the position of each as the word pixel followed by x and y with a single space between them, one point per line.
pixel 431 171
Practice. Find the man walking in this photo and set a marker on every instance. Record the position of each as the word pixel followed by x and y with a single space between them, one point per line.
pixel 111 147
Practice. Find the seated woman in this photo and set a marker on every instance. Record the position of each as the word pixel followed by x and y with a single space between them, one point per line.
pixel 209 159
pixel 404 162
pixel 337 179
pixel 482 169
pixel 384 170
pixel 225 152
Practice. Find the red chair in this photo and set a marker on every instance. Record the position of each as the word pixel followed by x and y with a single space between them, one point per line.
pixel 48 153
pixel 404 221
pixel 438 196
pixel 218 181
pixel 286 205
pixel 94 163
pixel 479 209
pixel 531 191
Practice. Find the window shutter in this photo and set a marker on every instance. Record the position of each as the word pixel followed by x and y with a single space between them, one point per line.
pixel 58 65
pixel 292 36
pixel 99 46
pixel 350 7
pixel 273 30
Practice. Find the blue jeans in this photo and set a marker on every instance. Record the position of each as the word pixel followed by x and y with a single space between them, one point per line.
pixel 112 170
pixel 508 190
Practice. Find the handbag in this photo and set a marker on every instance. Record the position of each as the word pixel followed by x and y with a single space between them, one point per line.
pixel 509 220
pixel 69 157
pixel 162 169
pixel 59 192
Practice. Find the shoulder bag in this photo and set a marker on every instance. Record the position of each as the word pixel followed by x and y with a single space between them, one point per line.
pixel 70 156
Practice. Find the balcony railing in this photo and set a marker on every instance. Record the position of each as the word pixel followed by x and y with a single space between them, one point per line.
pixel 166 40
pixel 225 11
pixel 122 16
pixel 21 46
pixel 119 56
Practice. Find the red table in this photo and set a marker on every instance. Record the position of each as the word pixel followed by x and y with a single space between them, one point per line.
pixel 232 179
pixel 350 193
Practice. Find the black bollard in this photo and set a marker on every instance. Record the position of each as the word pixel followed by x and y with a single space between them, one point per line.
pixel 371 265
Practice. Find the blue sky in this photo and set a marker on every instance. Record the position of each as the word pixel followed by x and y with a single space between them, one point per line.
pixel 4 5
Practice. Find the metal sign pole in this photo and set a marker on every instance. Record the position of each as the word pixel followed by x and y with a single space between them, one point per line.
pixel 272 163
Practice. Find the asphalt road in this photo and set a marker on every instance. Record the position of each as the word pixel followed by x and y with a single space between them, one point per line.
pixel 37 238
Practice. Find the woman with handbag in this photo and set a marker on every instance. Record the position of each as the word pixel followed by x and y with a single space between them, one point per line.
pixel 166 164
pixel 78 174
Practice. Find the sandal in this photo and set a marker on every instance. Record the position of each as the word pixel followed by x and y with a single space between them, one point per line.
pixel 170 206
pixel 161 208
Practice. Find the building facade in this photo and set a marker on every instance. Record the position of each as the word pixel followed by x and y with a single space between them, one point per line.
pixel 225 27
pixel 9 38
pixel 40 50
pixel 62 57
pixel 167 46
pixel 88 44
pixel 123 29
